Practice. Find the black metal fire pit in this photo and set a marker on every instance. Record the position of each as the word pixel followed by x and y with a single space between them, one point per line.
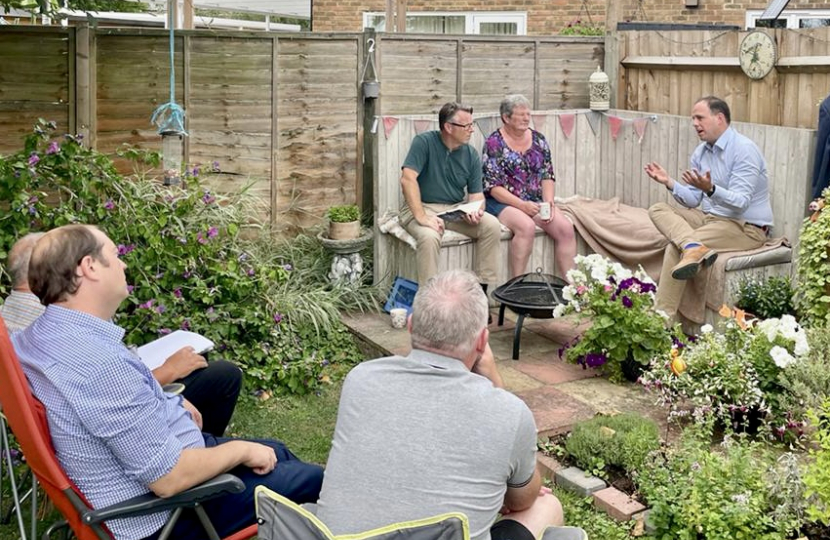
pixel 530 295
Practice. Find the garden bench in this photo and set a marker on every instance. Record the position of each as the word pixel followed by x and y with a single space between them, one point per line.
pixel 594 164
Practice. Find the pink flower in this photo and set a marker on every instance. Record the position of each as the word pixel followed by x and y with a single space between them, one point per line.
pixel 33 159
pixel 53 148
pixel 213 232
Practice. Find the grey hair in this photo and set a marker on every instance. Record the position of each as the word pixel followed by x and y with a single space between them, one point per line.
pixel 19 256
pixel 448 313
pixel 511 102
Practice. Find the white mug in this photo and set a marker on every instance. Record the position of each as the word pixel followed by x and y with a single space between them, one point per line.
pixel 398 317
pixel 544 210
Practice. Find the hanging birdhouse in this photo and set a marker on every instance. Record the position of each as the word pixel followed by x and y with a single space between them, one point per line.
pixel 599 91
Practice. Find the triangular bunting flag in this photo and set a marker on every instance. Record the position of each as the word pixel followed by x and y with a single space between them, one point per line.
pixel 422 125
pixel 593 121
pixel 616 123
pixel 389 123
pixel 539 121
pixel 566 121
pixel 640 128
pixel 487 125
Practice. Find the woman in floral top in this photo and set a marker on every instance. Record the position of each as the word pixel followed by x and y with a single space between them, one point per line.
pixel 518 176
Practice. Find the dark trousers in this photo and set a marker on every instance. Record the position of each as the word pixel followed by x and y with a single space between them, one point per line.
pixel 291 478
pixel 213 391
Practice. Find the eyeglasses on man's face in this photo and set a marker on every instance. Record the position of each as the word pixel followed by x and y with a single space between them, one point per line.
pixel 462 126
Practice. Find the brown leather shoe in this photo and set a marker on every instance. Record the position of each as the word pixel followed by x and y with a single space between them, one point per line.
pixel 693 260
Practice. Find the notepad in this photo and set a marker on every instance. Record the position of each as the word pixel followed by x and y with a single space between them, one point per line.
pixel 157 352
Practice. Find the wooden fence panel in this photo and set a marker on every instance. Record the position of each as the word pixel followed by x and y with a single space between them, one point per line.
pixel 317 127
pixel 666 71
pixel 34 83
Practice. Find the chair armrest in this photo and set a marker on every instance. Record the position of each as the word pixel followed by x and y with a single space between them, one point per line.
pixel 152 504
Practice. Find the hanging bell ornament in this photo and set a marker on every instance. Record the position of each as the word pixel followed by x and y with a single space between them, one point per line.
pixel 599 91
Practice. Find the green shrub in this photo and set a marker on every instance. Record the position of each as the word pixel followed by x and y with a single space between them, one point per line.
pixel 696 493
pixel 189 264
pixel 766 299
pixel 343 214
pixel 812 298
pixel 622 441
pixel 581 512
pixel 817 473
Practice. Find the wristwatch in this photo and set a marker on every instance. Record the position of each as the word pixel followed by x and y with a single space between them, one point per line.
pixel 711 191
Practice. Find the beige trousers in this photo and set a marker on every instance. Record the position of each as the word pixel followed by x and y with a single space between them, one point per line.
pixel 487 233
pixel 684 225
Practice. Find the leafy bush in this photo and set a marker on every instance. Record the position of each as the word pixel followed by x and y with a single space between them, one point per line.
pixel 812 298
pixel 623 441
pixel 581 512
pixel 696 493
pixel 195 260
pixel 806 384
pixel 766 299
pixel 344 213
pixel 817 474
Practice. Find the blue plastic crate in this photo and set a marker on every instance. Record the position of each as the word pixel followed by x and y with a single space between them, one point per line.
pixel 402 295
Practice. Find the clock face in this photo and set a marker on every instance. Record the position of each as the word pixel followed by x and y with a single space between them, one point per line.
pixel 757 54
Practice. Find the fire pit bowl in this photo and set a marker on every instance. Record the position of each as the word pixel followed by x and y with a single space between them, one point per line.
pixel 529 295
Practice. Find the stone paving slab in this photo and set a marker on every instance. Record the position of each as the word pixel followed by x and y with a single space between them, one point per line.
pixel 549 369
pixel 555 411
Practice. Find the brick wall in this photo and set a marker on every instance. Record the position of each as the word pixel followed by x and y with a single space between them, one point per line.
pixel 548 17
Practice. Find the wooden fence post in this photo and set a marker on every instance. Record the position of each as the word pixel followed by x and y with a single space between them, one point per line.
pixel 84 84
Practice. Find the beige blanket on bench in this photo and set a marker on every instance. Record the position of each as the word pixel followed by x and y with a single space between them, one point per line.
pixel 626 234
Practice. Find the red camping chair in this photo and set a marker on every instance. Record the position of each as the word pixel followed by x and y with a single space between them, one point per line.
pixel 27 418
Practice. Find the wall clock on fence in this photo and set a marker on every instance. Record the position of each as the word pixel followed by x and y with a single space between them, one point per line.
pixel 757 54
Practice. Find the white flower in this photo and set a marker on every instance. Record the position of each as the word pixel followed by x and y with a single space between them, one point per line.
pixel 575 306
pixel 706 328
pixel 577 277
pixel 781 357
pixel 559 310
pixel 801 345
pixel 568 293
pixel 599 273
pixel 662 314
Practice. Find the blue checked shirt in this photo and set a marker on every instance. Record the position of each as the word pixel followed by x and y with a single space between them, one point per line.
pixel 113 428
pixel 739 171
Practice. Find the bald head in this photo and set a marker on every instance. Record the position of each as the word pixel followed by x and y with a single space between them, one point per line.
pixel 55 258
pixel 18 261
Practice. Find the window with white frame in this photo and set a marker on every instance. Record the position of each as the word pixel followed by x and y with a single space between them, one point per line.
pixel 504 23
pixel 796 18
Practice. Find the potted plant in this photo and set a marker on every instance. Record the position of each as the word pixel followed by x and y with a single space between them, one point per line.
pixel 765 299
pixel 344 222
pixel 626 330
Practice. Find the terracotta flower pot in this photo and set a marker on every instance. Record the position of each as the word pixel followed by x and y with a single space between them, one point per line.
pixel 344 231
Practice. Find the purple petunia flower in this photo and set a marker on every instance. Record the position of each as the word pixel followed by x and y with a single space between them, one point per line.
pixel 594 360
pixel 177 293
pixel 196 170
pixel 207 198
pixel 33 159
pixel 130 289
pixel 213 232
pixel 53 148
pixel 124 250
pixel 109 205
pixel 164 331
pixel 277 317
pixel 160 309
pixel 32 210
pixel 627 302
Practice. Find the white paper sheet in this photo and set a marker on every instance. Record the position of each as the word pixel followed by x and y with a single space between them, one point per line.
pixel 156 352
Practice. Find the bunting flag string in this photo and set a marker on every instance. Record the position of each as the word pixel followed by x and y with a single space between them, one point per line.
pixel 422 125
pixel 389 123
pixel 539 121
pixel 567 122
pixel 616 123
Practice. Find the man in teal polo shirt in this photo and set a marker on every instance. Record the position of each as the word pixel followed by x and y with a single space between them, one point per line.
pixel 440 171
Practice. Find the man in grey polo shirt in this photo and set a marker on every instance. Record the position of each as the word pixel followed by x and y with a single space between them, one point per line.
pixel 430 433
pixel 440 170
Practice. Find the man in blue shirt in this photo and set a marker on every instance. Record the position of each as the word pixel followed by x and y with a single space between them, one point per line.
pixel 116 434
pixel 728 180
